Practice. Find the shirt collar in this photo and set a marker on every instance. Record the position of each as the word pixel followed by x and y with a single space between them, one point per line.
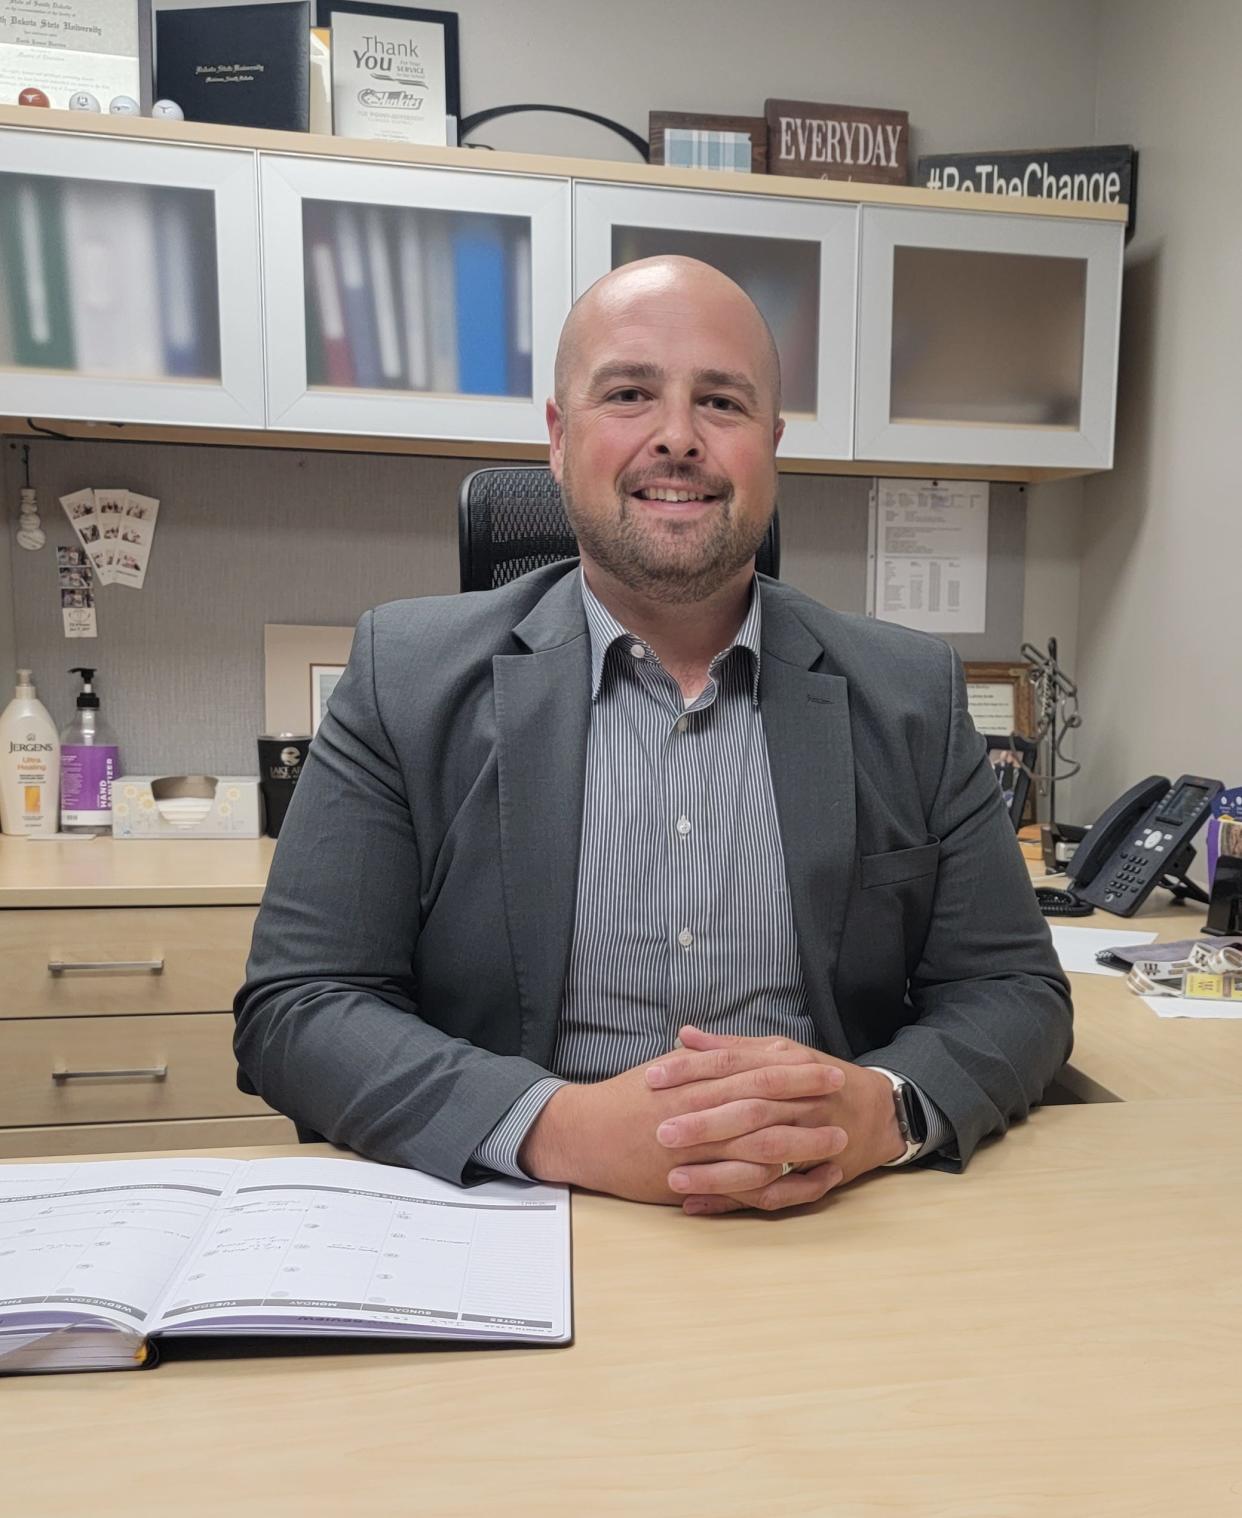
pixel 606 631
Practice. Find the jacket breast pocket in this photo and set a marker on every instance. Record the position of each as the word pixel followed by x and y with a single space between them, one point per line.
pixel 899 864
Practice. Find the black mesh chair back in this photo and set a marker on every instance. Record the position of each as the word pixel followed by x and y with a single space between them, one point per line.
pixel 510 521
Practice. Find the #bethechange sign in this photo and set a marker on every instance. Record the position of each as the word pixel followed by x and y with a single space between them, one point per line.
pixel 1105 175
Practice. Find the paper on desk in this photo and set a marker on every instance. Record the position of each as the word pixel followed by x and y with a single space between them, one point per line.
pixel 1077 947
pixel 1193 1006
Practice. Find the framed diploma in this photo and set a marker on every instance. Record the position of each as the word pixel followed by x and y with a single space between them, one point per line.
pixel 73 47
pixel 395 74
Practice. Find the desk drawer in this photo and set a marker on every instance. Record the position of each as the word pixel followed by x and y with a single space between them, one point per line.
pixel 193 1052
pixel 135 959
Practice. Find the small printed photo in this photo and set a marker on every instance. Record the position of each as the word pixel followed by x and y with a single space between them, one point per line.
pixel 131 535
pixel 127 561
pixel 72 558
pixel 75 600
pixel 80 509
pixel 112 530
pixel 110 508
pixel 74 579
pixel 137 509
pixel 90 533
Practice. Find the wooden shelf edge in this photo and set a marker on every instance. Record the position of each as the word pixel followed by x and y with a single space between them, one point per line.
pixel 535 453
pixel 205 134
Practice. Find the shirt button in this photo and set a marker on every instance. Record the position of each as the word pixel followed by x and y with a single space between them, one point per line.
pixel 683 825
pixel 685 938
pixel 638 650
pixel 681 724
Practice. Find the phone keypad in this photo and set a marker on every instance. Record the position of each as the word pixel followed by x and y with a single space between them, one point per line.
pixel 1132 870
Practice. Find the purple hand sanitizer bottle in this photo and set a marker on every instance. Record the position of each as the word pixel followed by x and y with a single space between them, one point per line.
pixel 90 761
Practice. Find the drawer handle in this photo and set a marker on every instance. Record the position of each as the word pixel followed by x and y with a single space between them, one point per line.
pixel 156 1073
pixel 60 966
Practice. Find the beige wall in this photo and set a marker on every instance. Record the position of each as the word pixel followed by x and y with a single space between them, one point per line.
pixel 1160 583
pixel 972 73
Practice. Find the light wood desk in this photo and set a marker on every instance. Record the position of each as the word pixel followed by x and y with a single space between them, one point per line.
pixel 1056 1333
pixel 1122 1050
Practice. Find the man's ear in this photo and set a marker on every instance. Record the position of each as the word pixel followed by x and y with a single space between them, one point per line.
pixel 778 432
pixel 556 439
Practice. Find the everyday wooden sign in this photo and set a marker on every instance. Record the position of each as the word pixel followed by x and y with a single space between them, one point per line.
pixel 1099 174
pixel 838 141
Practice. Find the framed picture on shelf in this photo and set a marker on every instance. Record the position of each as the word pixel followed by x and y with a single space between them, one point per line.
pixel 1012 758
pixel 1000 697
pixel 432 69
pixel 686 140
pixel 323 678
pixel 301 666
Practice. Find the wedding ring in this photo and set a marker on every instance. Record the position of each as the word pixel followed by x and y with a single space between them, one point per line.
pixel 786 1167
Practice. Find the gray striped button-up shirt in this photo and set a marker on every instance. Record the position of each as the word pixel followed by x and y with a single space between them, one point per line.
pixel 683 911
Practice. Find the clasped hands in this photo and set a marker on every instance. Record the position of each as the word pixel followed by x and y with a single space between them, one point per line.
pixel 710 1126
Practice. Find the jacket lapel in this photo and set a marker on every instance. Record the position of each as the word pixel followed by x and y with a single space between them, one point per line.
pixel 543 712
pixel 806 718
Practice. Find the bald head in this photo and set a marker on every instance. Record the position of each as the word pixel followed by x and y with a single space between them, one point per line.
pixel 669 281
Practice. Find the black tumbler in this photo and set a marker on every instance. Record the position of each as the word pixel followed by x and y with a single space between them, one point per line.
pixel 281 757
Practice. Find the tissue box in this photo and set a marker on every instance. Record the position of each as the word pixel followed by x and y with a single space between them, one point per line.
pixel 187 806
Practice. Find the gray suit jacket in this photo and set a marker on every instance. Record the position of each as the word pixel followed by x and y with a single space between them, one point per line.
pixel 408 961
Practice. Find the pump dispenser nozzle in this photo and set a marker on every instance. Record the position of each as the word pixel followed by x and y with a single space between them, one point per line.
pixel 87 699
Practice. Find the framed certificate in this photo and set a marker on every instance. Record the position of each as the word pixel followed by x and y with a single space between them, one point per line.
pixel 1000 698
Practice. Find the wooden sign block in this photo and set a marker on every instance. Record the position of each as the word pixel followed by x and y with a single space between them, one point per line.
pixel 1105 175
pixel 838 141
pixel 697 139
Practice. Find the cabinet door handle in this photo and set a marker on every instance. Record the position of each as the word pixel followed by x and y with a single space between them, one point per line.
pixel 62 966
pixel 156 1073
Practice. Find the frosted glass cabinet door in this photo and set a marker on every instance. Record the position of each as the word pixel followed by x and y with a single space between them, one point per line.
pixel 111 258
pixel 796 259
pixel 412 302
pixel 987 339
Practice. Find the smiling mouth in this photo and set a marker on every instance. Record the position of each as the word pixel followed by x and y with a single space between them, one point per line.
pixel 675 497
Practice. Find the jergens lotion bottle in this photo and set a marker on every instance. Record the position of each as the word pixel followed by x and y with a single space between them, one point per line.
pixel 29 763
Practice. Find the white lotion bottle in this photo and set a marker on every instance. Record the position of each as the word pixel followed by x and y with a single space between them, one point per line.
pixel 29 763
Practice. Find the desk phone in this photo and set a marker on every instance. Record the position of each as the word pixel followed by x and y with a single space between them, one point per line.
pixel 1143 840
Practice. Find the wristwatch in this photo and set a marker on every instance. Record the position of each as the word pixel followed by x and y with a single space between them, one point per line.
pixel 911 1119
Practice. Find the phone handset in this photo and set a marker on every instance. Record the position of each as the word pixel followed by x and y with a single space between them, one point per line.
pixel 1119 819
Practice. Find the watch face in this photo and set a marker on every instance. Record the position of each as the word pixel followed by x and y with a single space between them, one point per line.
pixel 913 1108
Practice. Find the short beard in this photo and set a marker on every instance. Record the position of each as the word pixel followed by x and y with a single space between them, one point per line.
pixel 668 563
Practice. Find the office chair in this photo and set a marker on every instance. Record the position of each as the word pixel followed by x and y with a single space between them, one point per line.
pixel 510 521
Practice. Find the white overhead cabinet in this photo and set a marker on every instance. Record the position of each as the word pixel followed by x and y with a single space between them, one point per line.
pixel 987 339
pixel 411 302
pixel 796 259
pixel 112 257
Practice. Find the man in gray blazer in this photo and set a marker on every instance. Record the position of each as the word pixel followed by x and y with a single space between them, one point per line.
pixel 645 873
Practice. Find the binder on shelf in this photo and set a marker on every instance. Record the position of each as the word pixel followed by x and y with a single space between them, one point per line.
pixel 327 345
pixel 482 306
pixel 184 318
pixel 379 270
pixel 412 275
pixel 32 244
pixel 521 343
pixel 356 301
pixel 441 303
pixel 113 284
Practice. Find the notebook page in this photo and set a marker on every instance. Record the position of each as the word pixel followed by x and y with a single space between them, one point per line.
pixel 99 1240
pixel 341 1244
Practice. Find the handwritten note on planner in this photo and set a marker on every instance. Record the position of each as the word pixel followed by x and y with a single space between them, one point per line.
pixel 929 553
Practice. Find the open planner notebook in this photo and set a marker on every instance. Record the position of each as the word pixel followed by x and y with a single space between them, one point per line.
pixel 100 1260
